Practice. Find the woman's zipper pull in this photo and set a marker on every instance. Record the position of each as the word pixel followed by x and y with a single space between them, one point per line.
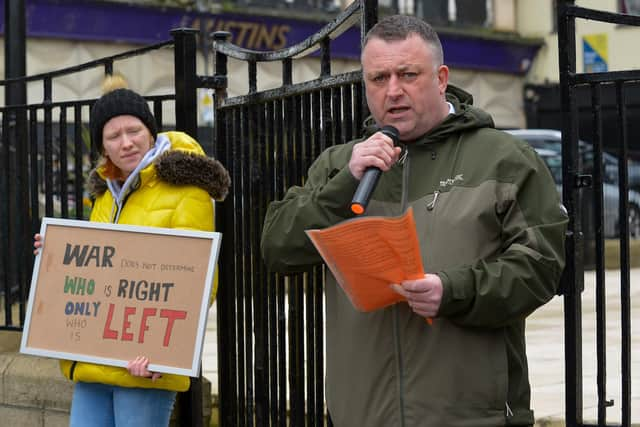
pixel 432 203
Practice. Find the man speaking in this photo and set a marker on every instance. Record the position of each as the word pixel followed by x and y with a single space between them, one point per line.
pixel 491 233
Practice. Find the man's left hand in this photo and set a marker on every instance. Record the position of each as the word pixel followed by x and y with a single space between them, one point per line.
pixel 423 295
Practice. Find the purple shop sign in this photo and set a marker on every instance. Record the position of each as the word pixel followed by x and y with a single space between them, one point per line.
pixel 120 22
pixel 487 54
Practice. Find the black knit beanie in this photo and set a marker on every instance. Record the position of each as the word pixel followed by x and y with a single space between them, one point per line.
pixel 119 102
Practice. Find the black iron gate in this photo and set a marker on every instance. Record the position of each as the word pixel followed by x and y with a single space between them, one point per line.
pixel 271 328
pixel 571 83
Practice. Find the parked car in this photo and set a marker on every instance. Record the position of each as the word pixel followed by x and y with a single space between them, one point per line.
pixel 548 144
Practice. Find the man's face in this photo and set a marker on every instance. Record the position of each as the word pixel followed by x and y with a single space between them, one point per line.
pixel 404 87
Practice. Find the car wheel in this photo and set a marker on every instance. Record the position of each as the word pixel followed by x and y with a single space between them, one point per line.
pixel 634 221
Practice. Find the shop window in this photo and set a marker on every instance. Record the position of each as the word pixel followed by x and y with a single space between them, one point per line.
pixel 435 12
pixel 471 13
pixel 631 7
pixel 464 13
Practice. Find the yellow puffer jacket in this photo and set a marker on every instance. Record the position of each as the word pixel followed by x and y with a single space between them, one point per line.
pixel 175 191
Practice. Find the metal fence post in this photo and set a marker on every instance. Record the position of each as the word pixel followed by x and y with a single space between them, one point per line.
pixel 187 121
pixel 186 80
pixel 572 274
pixel 18 222
pixel 227 396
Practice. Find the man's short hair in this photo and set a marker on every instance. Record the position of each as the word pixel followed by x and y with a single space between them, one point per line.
pixel 400 27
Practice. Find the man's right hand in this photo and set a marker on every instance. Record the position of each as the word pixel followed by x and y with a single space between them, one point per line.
pixel 376 151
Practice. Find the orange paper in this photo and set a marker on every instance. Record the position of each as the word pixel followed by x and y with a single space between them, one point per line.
pixel 368 254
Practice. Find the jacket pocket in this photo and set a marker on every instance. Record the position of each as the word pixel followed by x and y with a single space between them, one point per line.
pixel 474 374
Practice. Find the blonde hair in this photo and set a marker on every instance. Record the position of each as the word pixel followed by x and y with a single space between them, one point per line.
pixel 114 81
pixel 110 83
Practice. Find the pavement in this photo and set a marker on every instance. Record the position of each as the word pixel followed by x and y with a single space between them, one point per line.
pixel 545 351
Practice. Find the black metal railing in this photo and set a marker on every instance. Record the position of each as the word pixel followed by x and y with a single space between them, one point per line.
pixel 570 83
pixel 45 154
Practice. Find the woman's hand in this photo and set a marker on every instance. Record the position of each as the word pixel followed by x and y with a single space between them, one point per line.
pixel 138 368
pixel 37 243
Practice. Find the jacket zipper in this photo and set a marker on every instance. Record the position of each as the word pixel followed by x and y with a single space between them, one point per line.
pixel 432 203
pixel 117 209
pixel 115 214
pixel 508 411
pixel 72 370
pixel 405 161
pixel 399 366
pixel 114 210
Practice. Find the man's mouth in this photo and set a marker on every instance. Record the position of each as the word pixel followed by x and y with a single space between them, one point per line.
pixel 398 110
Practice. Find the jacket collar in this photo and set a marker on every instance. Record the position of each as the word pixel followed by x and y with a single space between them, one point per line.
pixel 179 168
pixel 466 117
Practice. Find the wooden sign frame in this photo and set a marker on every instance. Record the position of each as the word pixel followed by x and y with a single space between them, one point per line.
pixel 106 293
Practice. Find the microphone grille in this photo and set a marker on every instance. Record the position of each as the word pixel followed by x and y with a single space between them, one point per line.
pixel 391 132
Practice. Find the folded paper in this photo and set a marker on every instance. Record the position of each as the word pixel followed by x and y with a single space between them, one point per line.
pixel 367 254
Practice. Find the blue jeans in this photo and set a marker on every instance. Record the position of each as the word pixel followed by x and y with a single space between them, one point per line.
pixel 101 405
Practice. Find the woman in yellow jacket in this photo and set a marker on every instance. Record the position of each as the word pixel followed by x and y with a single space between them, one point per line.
pixel 148 179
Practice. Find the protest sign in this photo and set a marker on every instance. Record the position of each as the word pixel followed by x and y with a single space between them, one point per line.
pixel 106 293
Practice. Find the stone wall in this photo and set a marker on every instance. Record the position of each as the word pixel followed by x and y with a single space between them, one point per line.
pixel 33 392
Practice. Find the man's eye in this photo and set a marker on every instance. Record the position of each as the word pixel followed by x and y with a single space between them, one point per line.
pixel 379 79
pixel 409 75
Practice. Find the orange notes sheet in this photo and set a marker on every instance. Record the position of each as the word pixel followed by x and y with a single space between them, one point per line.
pixel 368 254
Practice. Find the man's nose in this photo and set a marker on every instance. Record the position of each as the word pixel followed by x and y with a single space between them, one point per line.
pixel 394 88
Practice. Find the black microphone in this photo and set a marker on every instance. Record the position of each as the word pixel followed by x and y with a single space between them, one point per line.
pixel 370 177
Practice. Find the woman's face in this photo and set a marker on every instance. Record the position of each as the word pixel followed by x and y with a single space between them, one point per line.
pixel 126 140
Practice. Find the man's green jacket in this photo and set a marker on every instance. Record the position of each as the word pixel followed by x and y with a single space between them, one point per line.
pixel 490 224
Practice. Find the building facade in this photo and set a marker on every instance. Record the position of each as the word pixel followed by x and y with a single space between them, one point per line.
pixel 599 47
pixel 484 48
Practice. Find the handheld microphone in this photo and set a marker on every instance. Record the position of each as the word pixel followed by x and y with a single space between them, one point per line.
pixel 370 177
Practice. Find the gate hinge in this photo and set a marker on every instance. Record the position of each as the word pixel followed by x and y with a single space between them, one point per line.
pixel 583 181
pixel 608 403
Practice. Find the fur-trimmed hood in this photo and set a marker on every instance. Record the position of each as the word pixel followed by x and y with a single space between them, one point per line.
pixel 179 167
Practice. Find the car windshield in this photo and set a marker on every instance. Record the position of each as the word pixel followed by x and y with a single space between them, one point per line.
pixel 553 160
pixel 546 143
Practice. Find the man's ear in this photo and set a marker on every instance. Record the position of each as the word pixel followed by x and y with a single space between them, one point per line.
pixel 443 78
